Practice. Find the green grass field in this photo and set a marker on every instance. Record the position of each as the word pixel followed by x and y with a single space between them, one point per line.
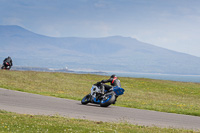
pixel 23 123
pixel 149 94
pixel 159 95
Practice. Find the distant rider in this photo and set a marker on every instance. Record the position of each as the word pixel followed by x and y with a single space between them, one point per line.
pixel 7 62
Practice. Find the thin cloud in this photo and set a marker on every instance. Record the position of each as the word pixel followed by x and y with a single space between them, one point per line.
pixel 163 23
pixel 12 21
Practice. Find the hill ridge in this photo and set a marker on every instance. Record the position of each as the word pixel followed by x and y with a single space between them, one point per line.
pixel 116 53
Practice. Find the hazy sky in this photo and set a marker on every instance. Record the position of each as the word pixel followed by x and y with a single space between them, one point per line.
pixel 172 24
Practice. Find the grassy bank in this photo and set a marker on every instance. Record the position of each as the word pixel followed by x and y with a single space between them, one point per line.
pixel 159 95
pixel 18 123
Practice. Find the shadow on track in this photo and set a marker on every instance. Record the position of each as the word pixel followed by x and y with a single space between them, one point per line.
pixel 93 105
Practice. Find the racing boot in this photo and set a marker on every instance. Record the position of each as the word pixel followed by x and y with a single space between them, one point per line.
pixel 115 99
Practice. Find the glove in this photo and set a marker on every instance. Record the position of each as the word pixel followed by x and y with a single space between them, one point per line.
pixel 98 83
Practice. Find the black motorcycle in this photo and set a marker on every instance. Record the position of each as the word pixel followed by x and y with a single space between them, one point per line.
pixel 6 66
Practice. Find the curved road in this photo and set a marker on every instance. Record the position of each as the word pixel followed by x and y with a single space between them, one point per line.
pixel 27 103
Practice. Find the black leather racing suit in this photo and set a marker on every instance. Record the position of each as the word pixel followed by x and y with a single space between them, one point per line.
pixel 9 61
pixel 113 82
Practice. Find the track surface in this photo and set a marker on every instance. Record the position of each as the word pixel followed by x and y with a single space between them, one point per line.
pixel 27 103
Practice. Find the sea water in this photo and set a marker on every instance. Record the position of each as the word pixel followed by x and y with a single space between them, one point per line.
pixel 172 77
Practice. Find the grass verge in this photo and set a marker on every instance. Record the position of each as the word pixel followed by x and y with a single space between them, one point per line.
pixel 158 95
pixel 12 122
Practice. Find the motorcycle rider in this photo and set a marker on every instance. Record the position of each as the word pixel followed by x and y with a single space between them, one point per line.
pixel 7 62
pixel 114 81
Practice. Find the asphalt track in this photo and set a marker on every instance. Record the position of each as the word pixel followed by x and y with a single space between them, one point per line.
pixel 27 103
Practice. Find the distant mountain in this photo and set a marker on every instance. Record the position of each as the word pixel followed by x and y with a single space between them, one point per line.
pixel 114 53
